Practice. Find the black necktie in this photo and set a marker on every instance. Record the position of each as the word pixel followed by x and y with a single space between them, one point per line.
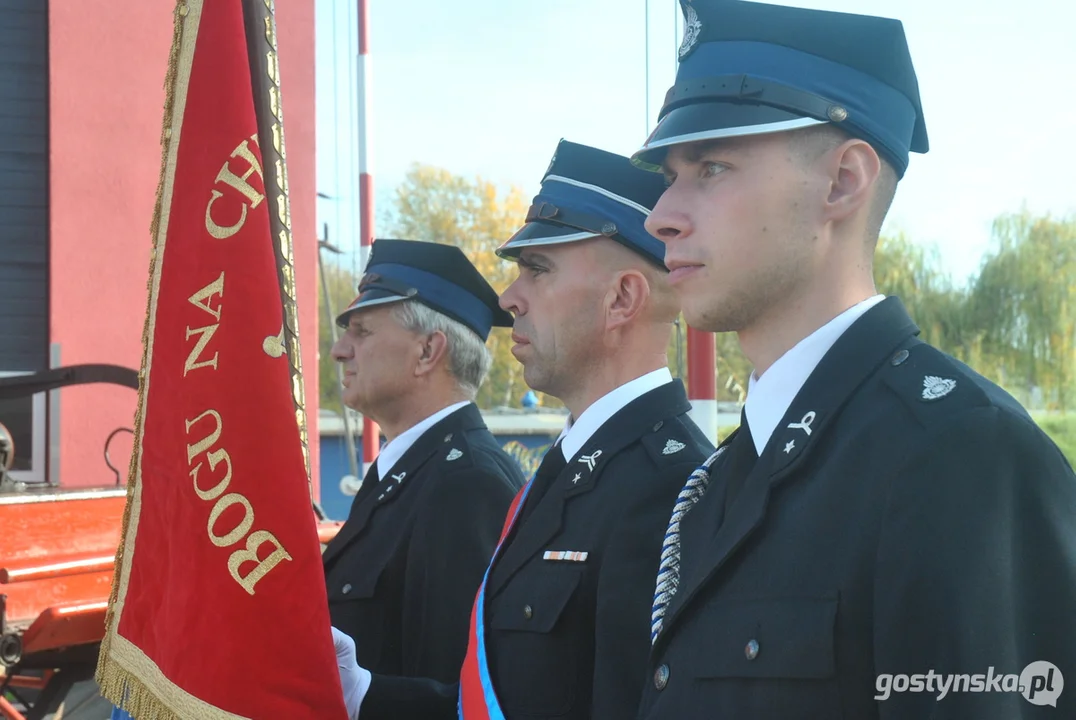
pixel 741 462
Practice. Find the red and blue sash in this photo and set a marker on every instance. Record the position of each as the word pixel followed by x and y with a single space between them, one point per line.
pixel 478 699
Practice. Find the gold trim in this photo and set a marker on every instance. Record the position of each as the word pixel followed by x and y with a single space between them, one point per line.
pixel 125 684
pixel 149 695
pixel 276 182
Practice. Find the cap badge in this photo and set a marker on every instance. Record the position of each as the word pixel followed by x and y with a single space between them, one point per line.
pixel 692 28
pixel 367 280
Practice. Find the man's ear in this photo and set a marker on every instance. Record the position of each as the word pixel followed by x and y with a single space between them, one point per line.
pixel 853 168
pixel 626 298
pixel 433 347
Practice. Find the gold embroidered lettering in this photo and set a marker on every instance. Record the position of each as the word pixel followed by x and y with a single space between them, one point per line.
pixel 215 458
pixel 254 542
pixel 239 530
pixel 240 184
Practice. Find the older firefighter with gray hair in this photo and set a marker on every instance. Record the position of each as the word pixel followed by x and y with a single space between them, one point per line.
pixel 403 569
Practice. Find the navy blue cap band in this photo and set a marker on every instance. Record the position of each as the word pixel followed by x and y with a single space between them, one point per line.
pixel 442 295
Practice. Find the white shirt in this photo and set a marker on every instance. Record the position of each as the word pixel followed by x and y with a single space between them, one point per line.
pixel 575 434
pixel 769 397
pixel 395 449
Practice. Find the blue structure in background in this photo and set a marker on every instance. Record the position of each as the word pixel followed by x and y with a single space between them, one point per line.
pixel 531 433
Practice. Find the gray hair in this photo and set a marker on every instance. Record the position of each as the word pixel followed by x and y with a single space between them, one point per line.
pixel 469 359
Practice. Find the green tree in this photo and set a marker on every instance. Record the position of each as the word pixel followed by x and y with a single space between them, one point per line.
pixel 434 205
pixel 341 285
pixel 1024 303
pixel 941 310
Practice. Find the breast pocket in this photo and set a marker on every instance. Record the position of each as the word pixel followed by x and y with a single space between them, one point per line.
pixel 363 604
pixel 356 582
pixel 773 656
pixel 538 622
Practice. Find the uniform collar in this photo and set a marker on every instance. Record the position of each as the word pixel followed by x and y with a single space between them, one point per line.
pixel 575 434
pixel 393 451
pixel 769 397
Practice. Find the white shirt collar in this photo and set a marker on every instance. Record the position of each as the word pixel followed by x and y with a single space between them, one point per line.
pixel 575 434
pixel 769 397
pixel 394 450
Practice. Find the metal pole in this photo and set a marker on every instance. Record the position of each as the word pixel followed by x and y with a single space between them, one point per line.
pixel 646 65
pixel 353 461
pixel 702 380
pixel 676 35
pixel 370 432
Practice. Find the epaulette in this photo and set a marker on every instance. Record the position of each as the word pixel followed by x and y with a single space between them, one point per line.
pixel 934 386
pixel 671 442
pixel 455 452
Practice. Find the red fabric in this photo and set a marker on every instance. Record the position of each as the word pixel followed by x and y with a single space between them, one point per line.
pixel 269 654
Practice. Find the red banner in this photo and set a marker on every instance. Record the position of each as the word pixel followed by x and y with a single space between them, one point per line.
pixel 219 607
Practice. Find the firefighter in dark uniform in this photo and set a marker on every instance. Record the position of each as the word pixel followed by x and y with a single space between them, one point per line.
pixel 888 534
pixel 403 569
pixel 566 604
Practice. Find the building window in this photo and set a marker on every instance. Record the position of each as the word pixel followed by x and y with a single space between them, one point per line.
pixel 25 418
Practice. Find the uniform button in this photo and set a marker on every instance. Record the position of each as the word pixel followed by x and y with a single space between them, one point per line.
pixel 528 612
pixel 659 424
pixel 661 677
pixel 899 357
pixel 751 649
pixel 346 589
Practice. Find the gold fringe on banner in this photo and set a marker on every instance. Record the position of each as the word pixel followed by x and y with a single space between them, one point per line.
pixel 138 701
pixel 118 682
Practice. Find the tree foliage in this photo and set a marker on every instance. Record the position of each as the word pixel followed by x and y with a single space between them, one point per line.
pixel 1015 321
pixel 434 205
pixel 1024 304
pixel 341 285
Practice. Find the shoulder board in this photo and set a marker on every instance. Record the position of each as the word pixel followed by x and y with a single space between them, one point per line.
pixel 675 442
pixel 455 453
pixel 935 386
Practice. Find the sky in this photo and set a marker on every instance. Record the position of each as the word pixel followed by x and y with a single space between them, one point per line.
pixel 484 88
